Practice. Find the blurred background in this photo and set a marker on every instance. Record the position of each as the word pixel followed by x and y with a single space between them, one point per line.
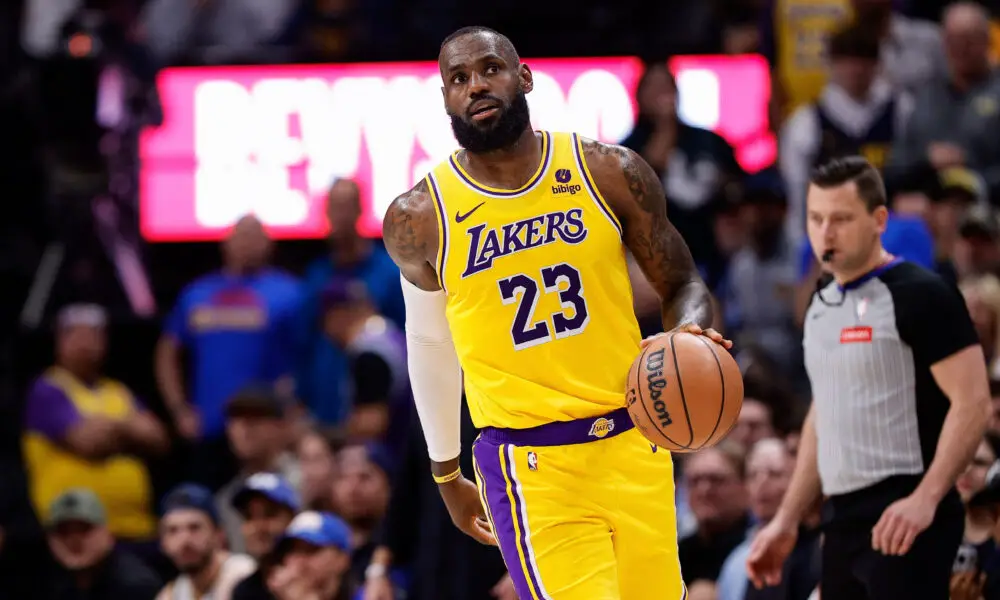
pixel 195 293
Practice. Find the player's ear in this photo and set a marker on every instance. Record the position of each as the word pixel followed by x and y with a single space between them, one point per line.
pixel 526 77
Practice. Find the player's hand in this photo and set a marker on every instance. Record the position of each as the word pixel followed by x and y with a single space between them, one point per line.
pixel 461 496
pixel 710 333
pixel 967 585
pixel 901 523
pixel 769 550
pixel 504 589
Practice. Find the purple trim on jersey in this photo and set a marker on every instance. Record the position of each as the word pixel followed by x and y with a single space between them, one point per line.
pixel 494 477
pixel 591 186
pixel 443 259
pixel 49 411
pixel 547 139
pixel 563 433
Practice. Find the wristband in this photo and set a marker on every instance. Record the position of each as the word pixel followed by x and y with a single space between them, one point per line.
pixel 449 477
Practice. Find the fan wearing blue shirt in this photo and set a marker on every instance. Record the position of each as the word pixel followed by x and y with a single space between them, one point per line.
pixel 236 327
pixel 323 382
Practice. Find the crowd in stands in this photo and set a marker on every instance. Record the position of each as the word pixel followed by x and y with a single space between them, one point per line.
pixel 254 437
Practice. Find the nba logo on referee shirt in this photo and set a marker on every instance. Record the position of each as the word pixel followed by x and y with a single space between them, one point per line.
pixel 861 308
pixel 532 461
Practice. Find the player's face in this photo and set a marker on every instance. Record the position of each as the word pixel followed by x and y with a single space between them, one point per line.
pixel 840 223
pixel 484 93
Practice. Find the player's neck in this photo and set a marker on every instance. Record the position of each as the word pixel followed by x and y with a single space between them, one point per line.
pixel 878 258
pixel 509 167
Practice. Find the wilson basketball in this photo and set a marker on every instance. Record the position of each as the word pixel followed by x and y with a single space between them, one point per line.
pixel 684 392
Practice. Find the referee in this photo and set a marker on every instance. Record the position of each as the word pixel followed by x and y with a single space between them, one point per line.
pixel 900 403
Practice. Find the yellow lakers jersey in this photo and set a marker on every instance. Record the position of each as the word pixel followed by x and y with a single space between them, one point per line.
pixel 801 31
pixel 539 298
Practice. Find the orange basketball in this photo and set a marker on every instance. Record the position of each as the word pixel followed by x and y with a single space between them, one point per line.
pixel 684 392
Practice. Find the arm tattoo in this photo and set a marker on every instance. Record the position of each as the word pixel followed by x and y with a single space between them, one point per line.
pixel 655 243
pixel 409 231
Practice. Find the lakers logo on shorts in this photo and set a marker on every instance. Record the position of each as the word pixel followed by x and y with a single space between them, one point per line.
pixel 602 427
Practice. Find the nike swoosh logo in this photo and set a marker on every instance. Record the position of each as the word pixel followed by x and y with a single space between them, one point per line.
pixel 460 217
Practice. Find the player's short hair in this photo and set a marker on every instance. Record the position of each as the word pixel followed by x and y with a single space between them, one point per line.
pixel 506 46
pixel 842 170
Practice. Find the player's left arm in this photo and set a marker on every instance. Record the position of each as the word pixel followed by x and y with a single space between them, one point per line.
pixel 633 190
pixel 940 333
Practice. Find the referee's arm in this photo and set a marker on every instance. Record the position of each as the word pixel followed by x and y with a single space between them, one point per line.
pixel 935 323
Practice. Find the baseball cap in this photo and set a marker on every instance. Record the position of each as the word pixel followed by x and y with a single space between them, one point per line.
pixel 81 315
pixel 191 496
pixel 257 400
pixel 269 485
pixel 320 529
pixel 341 291
pixel 79 505
pixel 980 221
pixel 962 180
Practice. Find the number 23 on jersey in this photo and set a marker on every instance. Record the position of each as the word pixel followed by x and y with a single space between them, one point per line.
pixel 528 330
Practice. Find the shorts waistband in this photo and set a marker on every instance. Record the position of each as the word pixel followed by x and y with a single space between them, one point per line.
pixel 563 433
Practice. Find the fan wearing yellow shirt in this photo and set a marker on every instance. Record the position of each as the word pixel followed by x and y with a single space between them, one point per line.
pixel 513 260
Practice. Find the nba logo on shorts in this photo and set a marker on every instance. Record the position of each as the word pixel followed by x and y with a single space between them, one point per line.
pixel 602 427
pixel 532 461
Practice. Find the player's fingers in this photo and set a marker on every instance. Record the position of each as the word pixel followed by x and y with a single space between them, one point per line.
pixel 878 532
pixel 483 534
pixel 895 542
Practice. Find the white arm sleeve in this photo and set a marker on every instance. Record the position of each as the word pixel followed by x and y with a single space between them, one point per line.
pixel 435 375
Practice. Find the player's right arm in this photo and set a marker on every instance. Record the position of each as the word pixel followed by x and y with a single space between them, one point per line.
pixel 774 542
pixel 410 233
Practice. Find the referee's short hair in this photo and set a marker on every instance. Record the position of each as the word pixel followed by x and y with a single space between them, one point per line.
pixel 842 170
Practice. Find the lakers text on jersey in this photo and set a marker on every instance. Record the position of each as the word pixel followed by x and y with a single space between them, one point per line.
pixel 539 298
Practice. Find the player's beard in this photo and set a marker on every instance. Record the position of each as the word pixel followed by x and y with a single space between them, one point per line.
pixel 501 133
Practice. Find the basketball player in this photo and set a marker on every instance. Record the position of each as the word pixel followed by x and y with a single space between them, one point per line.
pixel 512 254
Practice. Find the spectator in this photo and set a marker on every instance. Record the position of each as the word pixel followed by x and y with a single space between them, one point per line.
pixel 953 119
pixel 714 479
pixel 977 250
pixel 317 452
pixel 982 297
pixel 911 50
pixel 194 542
pixel 693 163
pixel 858 112
pixel 90 567
pixel 769 470
pixel 361 497
pixel 756 420
pixel 219 31
pixel 957 190
pixel 86 430
pixel 758 291
pixel 979 554
pixel 323 383
pixel 455 567
pixel 237 326
pixel 267 504
pixel 376 352
pixel 313 559
pixel 257 426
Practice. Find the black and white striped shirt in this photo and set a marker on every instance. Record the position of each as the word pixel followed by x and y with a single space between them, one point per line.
pixel 878 410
